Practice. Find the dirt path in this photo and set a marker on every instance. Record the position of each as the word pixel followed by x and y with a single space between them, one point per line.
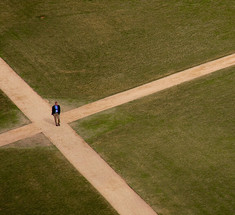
pixel 150 88
pixel 19 134
pixel 126 96
pixel 85 159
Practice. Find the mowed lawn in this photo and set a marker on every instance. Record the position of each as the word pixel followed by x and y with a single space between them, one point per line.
pixel 78 51
pixel 37 179
pixel 10 115
pixel 174 148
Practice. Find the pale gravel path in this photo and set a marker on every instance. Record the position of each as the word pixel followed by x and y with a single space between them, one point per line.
pixel 85 159
pixel 19 134
pixel 150 88
pixel 88 162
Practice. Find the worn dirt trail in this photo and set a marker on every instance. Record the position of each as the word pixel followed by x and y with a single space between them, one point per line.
pixel 74 148
pixel 150 88
pixel 19 134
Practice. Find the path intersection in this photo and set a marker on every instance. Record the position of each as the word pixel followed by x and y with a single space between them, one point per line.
pixel 72 146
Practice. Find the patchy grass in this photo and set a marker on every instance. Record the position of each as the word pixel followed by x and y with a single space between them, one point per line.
pixel 38 140
pixel 175 148
pixel 39 180
pixel 82 51
pixel 10 115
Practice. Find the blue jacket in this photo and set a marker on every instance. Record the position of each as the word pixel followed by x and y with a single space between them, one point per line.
pixel 53 109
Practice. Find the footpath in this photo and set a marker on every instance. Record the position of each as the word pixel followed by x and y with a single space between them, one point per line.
pixel 72 146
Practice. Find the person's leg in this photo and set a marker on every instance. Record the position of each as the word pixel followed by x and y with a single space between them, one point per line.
pixel 58 117
pixel 55 117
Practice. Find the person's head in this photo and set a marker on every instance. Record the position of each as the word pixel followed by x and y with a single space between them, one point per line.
pixel 56 103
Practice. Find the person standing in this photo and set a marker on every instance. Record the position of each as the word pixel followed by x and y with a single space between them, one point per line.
pixel 56 113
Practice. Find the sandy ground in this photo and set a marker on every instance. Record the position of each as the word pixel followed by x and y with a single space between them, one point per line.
pixel 19 134
pixel 74 148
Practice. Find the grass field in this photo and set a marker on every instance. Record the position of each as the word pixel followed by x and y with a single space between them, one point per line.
pixel 10 115
pixel 174 148
pixel 80 51
pixel 37 179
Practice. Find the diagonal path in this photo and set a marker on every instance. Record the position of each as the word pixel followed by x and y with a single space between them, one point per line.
pixel 73 147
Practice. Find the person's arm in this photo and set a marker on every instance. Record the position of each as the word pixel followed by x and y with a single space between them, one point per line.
pixel 58 109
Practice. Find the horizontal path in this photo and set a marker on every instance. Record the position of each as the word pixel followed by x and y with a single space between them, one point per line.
pixel 73 147
pixel 19 134
pixel 150 88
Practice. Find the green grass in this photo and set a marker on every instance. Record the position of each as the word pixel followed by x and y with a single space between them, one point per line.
pixel 10 115
pixel 81 50
pixel 175 148
pixel 39 180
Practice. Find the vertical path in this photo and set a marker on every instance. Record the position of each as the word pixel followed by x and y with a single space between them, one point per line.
pixel 85 160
